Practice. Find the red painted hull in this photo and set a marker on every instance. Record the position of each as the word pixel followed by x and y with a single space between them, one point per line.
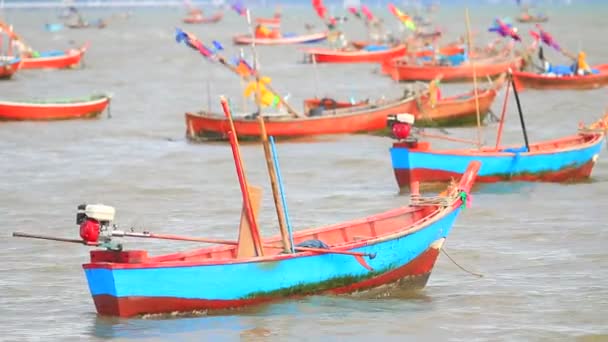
pixel 71 59
pixel 357 56
pixel 8 70
pixel 401 71
pixel 412 276
pixel 341 121
pixel 531 80
pixel 201 20
pixel 438 178
pixel 306 38
pixel 48 111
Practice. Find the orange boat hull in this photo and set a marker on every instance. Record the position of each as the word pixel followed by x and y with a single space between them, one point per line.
pixel 357 56
pixel 460 110
pixel 344 121
pixel 536 81
pixel 401 71
pixel 17 111
pixel 71 59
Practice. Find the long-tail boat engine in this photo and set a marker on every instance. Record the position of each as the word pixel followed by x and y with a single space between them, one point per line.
pixel 401 126
pixel 95 224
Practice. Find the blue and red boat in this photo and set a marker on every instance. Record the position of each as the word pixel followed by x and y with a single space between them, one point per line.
pixel 561 160
pixel 404 244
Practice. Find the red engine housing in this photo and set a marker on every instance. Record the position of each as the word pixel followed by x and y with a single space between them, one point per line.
pixel 401 130
pixel 89 230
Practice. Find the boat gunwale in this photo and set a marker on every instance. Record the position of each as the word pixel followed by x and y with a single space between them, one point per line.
pixel 354 53
pixel 593 138
pixel 152 262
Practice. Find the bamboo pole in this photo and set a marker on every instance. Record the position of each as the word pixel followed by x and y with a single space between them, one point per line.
pixel 502 115
pixel 240 169
pixel 469 48
pixel 282 191
pixel 275 188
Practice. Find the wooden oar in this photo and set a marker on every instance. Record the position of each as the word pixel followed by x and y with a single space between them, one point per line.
pixel 240 169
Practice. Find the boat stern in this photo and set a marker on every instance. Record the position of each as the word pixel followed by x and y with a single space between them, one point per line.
pixel 102 281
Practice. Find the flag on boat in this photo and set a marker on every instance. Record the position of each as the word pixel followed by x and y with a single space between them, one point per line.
pixel 239 7
pixel 243 68
pixel 404 18
pixel 267 98
pixel 193 42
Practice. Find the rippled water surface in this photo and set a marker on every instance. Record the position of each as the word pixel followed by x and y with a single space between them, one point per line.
pixel 540 247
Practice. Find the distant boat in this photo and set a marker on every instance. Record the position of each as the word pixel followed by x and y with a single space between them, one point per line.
pixel 88 107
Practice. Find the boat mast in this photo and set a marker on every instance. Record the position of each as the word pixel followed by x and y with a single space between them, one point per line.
pixel 267 153
pixel 521 115
pixel 470 48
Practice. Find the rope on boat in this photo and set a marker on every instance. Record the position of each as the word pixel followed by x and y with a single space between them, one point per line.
pixel 453 195
pixel 479 275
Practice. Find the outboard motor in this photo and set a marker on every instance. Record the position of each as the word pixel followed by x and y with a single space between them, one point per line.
pixel 94 221
pixel 401 126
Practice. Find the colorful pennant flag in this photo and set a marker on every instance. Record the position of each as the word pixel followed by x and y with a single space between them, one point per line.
pixel 239 8
pixel 404 18
pixel 505 30
pixel 545 37
pixel 368 14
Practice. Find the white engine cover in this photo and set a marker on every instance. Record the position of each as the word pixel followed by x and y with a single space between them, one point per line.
pixel 405 118
pixel 100 212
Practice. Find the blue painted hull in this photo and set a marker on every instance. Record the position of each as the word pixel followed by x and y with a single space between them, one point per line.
pixel 427 166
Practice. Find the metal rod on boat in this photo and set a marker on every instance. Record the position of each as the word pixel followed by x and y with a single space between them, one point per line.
pixel 52 238
pixel 240 170
pixel 470 48
pixel 521 115
pixel 316 74
pixel 502 115
pixel 282 192
pixel 120 233
pixel 285 236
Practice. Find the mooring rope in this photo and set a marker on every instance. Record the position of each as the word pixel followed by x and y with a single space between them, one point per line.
pixel 479 275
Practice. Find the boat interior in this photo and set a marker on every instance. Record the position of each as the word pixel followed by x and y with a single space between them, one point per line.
pixel 397 221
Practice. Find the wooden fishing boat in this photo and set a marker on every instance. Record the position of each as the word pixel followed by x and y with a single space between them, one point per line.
pixel 400 70
pixel 365 55
pixel 561 160
pixel 404 242
pixel 452 111
pixel 54 109
pixel 55 59
pixel 9 66
pixel 527 18
pixel 246 39
pixel 365 118
pixel 199 19
pixel 547 81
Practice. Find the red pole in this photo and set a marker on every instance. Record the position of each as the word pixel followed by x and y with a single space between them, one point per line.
pixel 502 115
pixel 240 170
